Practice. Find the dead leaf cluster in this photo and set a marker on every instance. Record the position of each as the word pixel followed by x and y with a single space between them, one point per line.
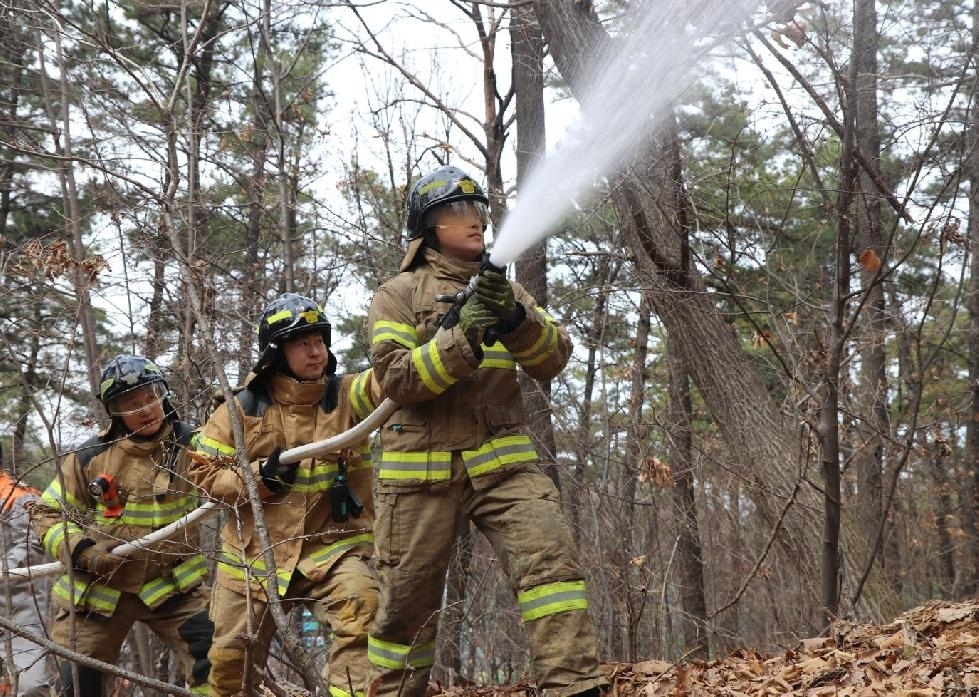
pixel 930 651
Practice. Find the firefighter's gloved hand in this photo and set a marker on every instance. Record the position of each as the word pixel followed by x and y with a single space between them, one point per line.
pixel 495 291
pixel 276 475
pixel 474 319
pixel 96 557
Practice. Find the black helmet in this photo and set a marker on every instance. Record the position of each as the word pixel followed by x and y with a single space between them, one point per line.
pixel 445 185
pixel 287 317
pixel 125 373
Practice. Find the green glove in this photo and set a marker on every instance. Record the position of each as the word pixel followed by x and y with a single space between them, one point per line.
pixel 474 319
pixel 496 293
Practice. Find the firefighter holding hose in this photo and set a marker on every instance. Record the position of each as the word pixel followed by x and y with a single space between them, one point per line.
pixel 317 511
pixel 117 487
pixel 457 449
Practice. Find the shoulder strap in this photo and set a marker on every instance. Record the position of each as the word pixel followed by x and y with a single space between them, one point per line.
pixel 331 394
pixel 253 403
pixel 89 449
pixel 183 432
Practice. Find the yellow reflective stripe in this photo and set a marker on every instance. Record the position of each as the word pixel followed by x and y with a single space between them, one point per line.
pixel 182 577
pixel 55 496
pixel 365 459
pixel 234 566
pixel 497 356
pixel 90 596
pixel 308 315
pixel 340 692
pixel 499 452
pixel 54 539
pixel 397 332
pixel 432 466
pixel 204 689
pixel 337 548
pixel 431 370
pixel 546 342
pixel 552 598
pixel 360 397
pixel 387 654
pixel 210 446
pixel 149 515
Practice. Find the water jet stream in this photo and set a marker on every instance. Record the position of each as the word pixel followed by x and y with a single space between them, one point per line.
pixel 628 88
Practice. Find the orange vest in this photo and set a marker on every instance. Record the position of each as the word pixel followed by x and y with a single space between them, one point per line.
pixel 10 490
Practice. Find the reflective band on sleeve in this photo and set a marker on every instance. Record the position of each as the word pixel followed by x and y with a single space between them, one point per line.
pixel 397 332
pixel 539 351
pixel 337 548
pixel 431 370
pixel 340 692
pixel 552 598
pixel 55 496
pixel 498 452
pixel 55 537
pixel 428 466
pixel 496 356
pixel 210 446
pixel 186 575
pixel 387 654
pixel 360 398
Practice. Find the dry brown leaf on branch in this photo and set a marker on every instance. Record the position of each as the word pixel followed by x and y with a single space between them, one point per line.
pixel 869 260
pixel 655 470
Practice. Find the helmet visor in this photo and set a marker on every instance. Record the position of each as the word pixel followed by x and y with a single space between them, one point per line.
pixel 137 399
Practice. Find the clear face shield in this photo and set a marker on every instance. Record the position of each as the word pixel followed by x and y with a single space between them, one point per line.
pixel 138 399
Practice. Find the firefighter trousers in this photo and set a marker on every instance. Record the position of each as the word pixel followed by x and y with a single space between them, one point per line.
pixel 181 622
pixel 344 601
pixel 520 514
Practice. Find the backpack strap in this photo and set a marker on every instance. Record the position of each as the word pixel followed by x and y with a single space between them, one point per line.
pixel 253 403
pixel 331 394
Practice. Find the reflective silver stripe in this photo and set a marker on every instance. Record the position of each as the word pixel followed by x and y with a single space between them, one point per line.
pixel 397 332
pixel 428 466
pixel 541 348
pixel 552 598
pixel 432 372
pixel 497 453
pixel 387 654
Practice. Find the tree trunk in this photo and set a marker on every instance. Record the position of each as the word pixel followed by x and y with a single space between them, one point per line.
pixel 690 560
pixel 970 492
pixel 874 422
pixel 749 420
pixel 531 268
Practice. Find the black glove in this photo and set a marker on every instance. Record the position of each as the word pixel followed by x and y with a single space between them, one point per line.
pixel 96 557
pixel 495 291
pixel 276 475
pixel 474 319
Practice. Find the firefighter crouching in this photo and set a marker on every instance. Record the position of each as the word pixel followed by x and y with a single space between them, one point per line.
pixel 118 487
pixel 318 512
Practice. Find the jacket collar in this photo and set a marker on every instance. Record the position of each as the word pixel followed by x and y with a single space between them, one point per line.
pixel 448 268
pixel 287 390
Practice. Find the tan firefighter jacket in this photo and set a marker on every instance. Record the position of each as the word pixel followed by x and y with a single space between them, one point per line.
pixel 451 399
pixel 153 491
pixel 279 411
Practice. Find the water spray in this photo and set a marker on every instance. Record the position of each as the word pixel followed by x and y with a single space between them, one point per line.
pixel 625 95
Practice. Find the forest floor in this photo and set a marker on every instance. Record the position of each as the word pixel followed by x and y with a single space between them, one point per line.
pixel 932 650
pixel 929 651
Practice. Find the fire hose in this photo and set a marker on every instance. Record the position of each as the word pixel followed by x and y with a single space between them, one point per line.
pixel 342 440
pixel 373 421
